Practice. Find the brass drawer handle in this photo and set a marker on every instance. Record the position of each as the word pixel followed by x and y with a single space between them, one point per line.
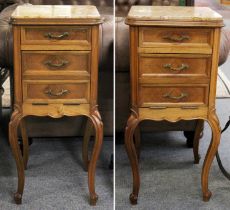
pixel 176 69
pixel 50 93
pixel 39 104
pixel 189 107
pixel 158 107
pixel 52 36
pixel 62 63
pixel 181 96
pixel 176 38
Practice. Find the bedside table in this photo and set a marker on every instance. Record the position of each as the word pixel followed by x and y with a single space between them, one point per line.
pixel 55 74
pixel 174 63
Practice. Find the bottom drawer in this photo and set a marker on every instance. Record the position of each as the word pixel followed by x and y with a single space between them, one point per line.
pixel 56 91
pixel 176 95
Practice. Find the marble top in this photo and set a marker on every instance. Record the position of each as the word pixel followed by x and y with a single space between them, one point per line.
pixel 175 13
pixel 56 12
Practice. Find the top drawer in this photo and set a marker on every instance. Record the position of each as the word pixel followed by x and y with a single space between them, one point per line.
pixel 170 40
pixel 77 37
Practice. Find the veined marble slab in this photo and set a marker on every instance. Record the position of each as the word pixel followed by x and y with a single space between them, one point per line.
pixel 56 11
pixel 173 13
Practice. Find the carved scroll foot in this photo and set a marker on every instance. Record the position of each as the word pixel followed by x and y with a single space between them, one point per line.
pixel 18 198
pixel 93 200
pixel 196 141
pixel 98 125
pixel 85 144
pixel 133 199
pixel 131 151
pixel 216 132
pixel 13 138
pixel 207 196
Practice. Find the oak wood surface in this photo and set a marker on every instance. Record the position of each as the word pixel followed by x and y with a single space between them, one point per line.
pixel 162 43
pixel 60 91
pixel 55 75
pixel 150 95
pixel 171 65
pixel 148 36
pixel 52 35
pixel 56 63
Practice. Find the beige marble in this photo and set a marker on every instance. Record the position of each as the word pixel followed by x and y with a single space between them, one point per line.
pixel 161 13
pixel 56 12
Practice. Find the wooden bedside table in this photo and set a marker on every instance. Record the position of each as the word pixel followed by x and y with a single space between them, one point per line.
pixel 174 60
pixel 55 74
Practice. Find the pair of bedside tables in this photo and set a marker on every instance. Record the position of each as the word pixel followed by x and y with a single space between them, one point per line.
pixel 174 56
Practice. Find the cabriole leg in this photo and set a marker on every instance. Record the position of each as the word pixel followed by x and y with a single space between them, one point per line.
pixel 98 125
pixel 85 144
pixel 13 138
pixel 196 141
pixel 131 151
pixel 25 143
pixel 216 132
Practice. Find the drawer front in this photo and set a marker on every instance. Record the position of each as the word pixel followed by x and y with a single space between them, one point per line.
pixel 175 37
pixel 56 63
pixel 174 65
pixel 56 91
pixel 52 35
pixel 176 95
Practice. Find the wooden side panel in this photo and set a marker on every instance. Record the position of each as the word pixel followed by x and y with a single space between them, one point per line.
pixel 17 65
pixel 134 65
pixel 214 68
pixel 94 66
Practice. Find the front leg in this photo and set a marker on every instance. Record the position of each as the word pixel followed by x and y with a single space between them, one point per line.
pixel 98 125
pixel 198 135
pixel 85 144
pixel 13 138
pixel 216 132
pixel 132 154
pixel 25 143
pixel 137 140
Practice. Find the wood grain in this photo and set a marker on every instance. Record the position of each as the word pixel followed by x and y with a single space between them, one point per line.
pixel 55 75
pixel 163 40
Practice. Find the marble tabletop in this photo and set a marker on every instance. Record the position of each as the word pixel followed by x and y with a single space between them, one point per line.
pixel 56 12
pixel 176 13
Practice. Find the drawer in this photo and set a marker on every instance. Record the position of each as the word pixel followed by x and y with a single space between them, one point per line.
pixel 176 39
pixel 80 36
pixel 64 91
pixel 173 65
pixel 57 64
pixel 176 95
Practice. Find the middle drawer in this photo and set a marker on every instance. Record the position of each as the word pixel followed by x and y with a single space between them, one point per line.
pixel 174 65
pixel 56 64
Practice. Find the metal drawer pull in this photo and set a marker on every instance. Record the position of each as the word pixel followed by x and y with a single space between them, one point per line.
pixel 176 38
pixel 52 36
pixel 62 63
pixel 158 107
pixel 39 104
pixel 189 107
pixel 71 104
pixel 50 93
pixel 176 69
pixel 182 95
